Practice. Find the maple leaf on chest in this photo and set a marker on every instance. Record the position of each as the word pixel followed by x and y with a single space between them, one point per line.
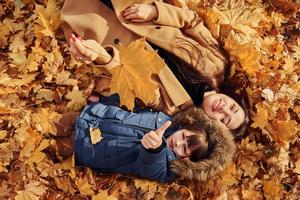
pixel 132 78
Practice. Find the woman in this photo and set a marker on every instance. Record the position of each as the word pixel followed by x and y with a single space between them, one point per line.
pixel 190 51
pixel 145 144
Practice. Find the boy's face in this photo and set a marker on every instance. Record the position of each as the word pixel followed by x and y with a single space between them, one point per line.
pixel 177 142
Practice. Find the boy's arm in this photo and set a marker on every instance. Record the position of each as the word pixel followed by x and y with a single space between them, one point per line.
pixel 154 166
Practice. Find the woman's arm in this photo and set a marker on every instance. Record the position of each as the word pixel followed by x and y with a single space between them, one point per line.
pixel 90 51
pixel 163 14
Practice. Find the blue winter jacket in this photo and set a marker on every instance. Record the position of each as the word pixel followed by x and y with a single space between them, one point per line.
pixel 120 150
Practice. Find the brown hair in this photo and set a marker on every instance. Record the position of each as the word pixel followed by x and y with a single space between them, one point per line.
pixel 198 145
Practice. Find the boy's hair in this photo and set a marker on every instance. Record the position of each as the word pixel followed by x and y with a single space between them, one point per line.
pixel 198 145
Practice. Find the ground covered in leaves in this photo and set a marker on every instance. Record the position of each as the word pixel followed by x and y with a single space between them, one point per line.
pixel 39 80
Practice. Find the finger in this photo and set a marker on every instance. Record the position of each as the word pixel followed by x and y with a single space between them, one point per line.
pixel 154 137
pixel 76 53
pixel 161 130
pixel 152 140
pixel 145 144
pixel 137 20
pixel 132 16
pixel 79 46
pixel 130 11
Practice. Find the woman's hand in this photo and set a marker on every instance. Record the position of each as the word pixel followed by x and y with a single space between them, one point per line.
pixel 153 139
pixel 140 13
pixel 88 51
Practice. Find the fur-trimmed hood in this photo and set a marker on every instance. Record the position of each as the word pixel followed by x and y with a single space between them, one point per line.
pixel 221 153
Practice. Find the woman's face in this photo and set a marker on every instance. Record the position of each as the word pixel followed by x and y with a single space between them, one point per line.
pixel 177 142
pixel 224 109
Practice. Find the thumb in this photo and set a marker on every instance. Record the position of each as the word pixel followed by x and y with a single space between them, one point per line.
pixel 161 130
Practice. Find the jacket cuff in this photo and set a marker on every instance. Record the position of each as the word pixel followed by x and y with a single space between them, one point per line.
pixel 170 15
pixel 152 158
pixel 158 149
pixel 115 58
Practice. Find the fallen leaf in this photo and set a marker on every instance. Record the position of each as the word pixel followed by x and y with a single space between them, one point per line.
pixel 95 134
pixel 260 119
pixel 33 191
pixel 133 77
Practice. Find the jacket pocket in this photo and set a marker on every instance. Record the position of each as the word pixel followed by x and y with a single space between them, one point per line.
pixel 118 155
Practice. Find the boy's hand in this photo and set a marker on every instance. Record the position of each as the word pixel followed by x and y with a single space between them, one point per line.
pixel 140 13
pixel 88 51
pixel 153 139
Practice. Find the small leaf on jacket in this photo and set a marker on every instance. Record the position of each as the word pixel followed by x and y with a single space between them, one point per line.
pixel 95 135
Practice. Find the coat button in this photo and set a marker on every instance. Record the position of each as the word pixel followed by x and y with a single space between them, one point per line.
pixel 159 119
pixel 107 156
pixel 157 27
pixel 116 41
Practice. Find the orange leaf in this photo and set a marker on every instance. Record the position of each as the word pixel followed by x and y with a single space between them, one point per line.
pixel 133 77
pixel 260 120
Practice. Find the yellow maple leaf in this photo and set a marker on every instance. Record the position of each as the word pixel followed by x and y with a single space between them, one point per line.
pixel 3 134
pixel 282 131
pixel 77 99
pixel 95 134
pixel 44 120
pixel 103 194
pixel 84 186
pixel 260 120
pixel 32 191
pixel 133 77
pixel 246 54
pixel 48 18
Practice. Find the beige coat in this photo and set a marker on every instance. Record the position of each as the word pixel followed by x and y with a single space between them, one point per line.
pixel 177 30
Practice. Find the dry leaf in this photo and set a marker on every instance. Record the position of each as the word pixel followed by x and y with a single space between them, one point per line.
pixel 260 120
pixel 95 134
pixel 32 191
pixel 133 77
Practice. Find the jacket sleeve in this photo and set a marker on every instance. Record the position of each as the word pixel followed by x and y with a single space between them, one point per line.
pixel 154 165
pixel 187 20
pixel 115 57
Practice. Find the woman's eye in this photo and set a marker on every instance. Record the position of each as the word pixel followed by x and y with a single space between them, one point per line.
pixel 183 136
pixel 234 108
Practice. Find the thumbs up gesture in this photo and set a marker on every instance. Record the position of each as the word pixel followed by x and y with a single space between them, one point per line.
pixel 153 139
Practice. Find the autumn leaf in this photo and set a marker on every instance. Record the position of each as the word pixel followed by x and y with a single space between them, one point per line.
pixel 32 191
pixel 133 77
pixel 77 99
pixel 103 194
pixel 260 120
pixel 95 134
pixel 272 189
pixel 44 120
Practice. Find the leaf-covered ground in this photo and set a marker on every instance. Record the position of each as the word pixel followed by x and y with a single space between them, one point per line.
pixel 39 80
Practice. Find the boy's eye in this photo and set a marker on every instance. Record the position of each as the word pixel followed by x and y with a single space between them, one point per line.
pixel 183 136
